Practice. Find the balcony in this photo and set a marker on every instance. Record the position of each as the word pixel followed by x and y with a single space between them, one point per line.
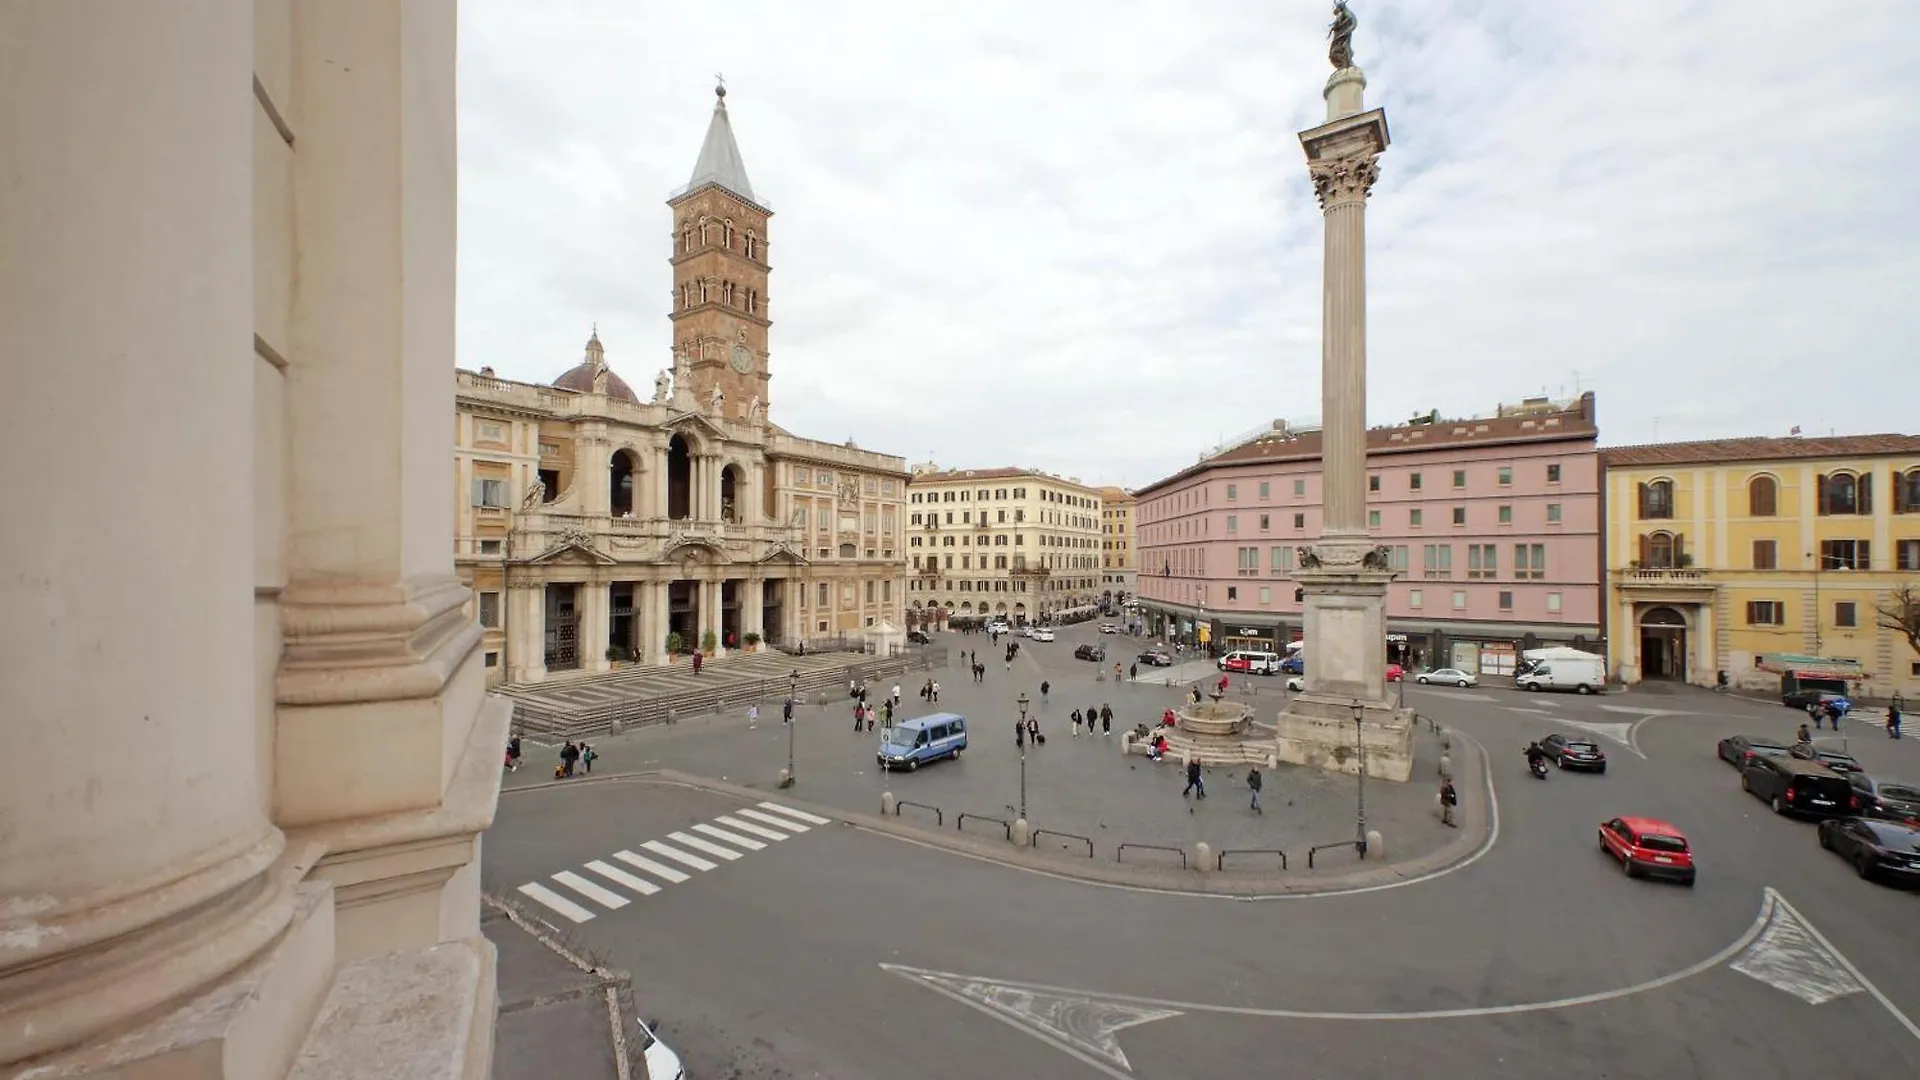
pixel 1665 578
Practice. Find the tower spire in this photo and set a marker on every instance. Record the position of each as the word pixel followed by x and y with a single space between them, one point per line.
pixel 720 162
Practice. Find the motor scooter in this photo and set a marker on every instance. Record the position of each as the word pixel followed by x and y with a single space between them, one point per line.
pixel 1537 766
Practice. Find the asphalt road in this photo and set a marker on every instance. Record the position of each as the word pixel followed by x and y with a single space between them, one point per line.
pixel 1539 958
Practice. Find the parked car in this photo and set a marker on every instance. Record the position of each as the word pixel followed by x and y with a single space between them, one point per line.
pixel 1793 786
pixel 1648 847
pixel 1251 663
pixel 1801 699
pixel 919 637
pixel 1294 665
pixel 1156 657
pixel 1574 753
pixel 662 1062
pixel 1109 628
pixel 1740 750
pixel 1890 800
pixel 1883 849
pixel 1447 676
pixel 1024 630
pixel 1585 676
pixel 1296 683
pixel 1395 673
pixel 1044 633
pixel 1090 652
pixel 1832 759
pixel 911 743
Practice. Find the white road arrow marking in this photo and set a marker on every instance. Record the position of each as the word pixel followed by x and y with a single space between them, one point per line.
pixel 1788 955
pixel 1620 733
pixel 1083 1025
pixel 1632 710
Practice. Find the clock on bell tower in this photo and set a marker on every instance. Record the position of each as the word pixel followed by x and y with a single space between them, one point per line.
pixel 720 270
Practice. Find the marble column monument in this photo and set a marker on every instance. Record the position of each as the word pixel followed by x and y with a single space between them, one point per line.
pixel 1345 719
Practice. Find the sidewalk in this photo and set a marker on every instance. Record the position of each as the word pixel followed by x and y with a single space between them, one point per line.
pixel 553 1018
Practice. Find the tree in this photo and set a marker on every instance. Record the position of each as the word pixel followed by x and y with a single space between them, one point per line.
pixel 1901 614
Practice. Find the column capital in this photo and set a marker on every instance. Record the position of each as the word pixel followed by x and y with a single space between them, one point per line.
pixel 1344 181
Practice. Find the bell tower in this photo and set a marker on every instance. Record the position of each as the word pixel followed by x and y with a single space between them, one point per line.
pixel 720 269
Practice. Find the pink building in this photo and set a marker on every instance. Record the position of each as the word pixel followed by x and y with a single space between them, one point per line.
pixel 1494 525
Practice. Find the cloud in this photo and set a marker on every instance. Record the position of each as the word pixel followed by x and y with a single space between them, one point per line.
pixel 1080 235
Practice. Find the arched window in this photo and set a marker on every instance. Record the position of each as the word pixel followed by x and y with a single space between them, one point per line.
pixel 726 293
pixel 1839 494
pixel 1656 500
pixel 1906 493
pixel 727 235
pixel 1762 497
pixel 1660 550
pixel 686 239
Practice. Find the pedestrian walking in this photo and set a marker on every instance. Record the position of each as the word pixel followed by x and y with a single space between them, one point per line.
pixel 697 661
pixel 1893 717
pixel 1076 723
pixel 895 700
pixel 1449 799
pixel 513 753
pixel 1019 733
pixel 1106 719
pixel 1253 785
pixel 1033 730
pixel 934 688
pixel 786 711
pixel 1133 672
pixel 1196 785
pixel 753 715
pixel 588 755
pixel 1044 687
pixel 859 721
pixel 886 716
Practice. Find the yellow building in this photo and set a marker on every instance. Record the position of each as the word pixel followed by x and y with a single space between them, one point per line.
pixel 1018 543
pixel 1762 556
pixel 1119 567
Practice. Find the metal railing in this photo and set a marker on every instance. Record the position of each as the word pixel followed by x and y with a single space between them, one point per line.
pixel 1220 860
pixel 1358 845
pixel 938 817
pixel 960 823
pixel 1038 833
pixel 1119 853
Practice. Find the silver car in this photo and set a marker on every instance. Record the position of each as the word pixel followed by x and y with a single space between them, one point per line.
pixel 1447 676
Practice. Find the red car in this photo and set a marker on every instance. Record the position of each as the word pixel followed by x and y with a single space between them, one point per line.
pixel 1648 847
pixel 1395 673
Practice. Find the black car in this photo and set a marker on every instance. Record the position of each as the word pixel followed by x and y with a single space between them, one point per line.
pixel 919 637
pixel 1793 786
pixel 1892 800
pixel 1572 753
pixel 1801 699
pixel 1832 759
pixel 1882 849
pixel 1090 652
pixel 1740 750
pixel 1157 658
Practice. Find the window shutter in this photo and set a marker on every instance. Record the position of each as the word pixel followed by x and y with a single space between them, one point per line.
pixel 1643 509
pixel 1866 493
pixel 1646 542
pixel 1820 495
pixel 1750 613
pixel 1863 554
pixel 479 492
pixel 1900 493
pixel 1679 550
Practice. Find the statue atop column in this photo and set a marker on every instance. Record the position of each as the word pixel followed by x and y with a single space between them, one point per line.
pixel 1340 34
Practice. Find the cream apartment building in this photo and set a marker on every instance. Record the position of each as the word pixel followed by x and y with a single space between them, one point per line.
pixel 1014 542
pixel 245 699
pixel 597 527
pixel 1119 562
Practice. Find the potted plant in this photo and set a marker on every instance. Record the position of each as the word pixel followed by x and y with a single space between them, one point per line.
pixel 707 642
pixel 673 645
pixel 616 654
pixel 753 641
pixel 1685 561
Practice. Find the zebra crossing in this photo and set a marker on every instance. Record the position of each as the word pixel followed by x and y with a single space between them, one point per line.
pixel 671 860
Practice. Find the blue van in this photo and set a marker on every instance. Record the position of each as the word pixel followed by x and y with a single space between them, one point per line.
pixel 923 738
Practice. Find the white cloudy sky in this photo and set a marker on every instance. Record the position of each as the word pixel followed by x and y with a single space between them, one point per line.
pixel 1079 235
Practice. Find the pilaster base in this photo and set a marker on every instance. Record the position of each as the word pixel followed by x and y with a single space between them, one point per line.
pixel 1319 731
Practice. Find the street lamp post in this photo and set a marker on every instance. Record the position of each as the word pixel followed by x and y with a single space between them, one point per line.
pixel 1023 703
pixel 1360 760
pixel 793 721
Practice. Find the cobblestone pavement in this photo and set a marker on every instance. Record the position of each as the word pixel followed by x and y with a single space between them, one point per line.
pixel 1084 788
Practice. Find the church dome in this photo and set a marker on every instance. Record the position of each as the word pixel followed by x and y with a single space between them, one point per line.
pixel 579 378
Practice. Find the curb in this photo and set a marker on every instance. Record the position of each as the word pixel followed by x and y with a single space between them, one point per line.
pixel 1478 830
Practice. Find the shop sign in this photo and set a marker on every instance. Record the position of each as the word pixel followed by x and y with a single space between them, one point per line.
pixel 1248 631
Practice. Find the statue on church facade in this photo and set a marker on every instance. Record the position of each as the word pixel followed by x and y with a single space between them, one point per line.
pixel 661 388
pixel 756 412
pixel 717 402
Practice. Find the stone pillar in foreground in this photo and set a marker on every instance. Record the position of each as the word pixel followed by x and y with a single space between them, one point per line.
pixel 1346 716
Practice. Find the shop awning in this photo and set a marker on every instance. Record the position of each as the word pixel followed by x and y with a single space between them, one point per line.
pixel 1810 667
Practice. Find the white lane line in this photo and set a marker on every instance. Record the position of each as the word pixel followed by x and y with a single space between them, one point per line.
pixel 811 819
pixel 665 873
pixel 1899 1015
pixel 533 890
pixel 749 828
pixel 615 874
pixel 698 844
pixel 769 819
pixel 726 837
pixel 678 856
pixel 607 897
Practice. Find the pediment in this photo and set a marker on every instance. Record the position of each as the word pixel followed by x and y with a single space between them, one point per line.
pixel 571 551
pixel 692 547
pixel 781 554
pixel 696 419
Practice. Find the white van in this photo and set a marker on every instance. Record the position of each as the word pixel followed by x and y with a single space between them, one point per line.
pixel 1256 662
pixel 1584 675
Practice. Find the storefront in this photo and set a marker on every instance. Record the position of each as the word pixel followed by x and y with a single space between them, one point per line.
pixel 1239 635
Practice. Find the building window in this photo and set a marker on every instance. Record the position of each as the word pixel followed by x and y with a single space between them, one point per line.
pixel 1506 476
pixel 1845 614
pixel 1416 517
pixel 1766 555
pixel 1459 599
pixel 1248 560
pixel 1233 491
pixel 1506 600
pixel 1299 488
pixel 1264 521
pixel 1373 519
pixel 1553 513
pixel 489 547
pixel 1299 521
pixel 1233 522
pixel 1906 493
pixel 1846 555
pixel 1553 598
pixel 490 494
pixel 1763 497
pixel 1530 561
pixel 1506 515
pixel 1459 515
pixel 1906 555
pixel 822 599
pixel 1483 561
pixel 1414 599
pixel 493 659
pixel 1660 550
pixel 1766 613
pixel 1233 592
pixel 1553 474
pixel 1266 596
pixel 1436 561
pixel 1844 493
pixel 490 610
pixel 1656 500
pixel 1280 558
pixel 1373 482
pixel 1459 479
pixel 1413 481
pixel 1398 560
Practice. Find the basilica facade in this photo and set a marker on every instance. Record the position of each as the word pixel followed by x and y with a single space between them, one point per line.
pixel 597 527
